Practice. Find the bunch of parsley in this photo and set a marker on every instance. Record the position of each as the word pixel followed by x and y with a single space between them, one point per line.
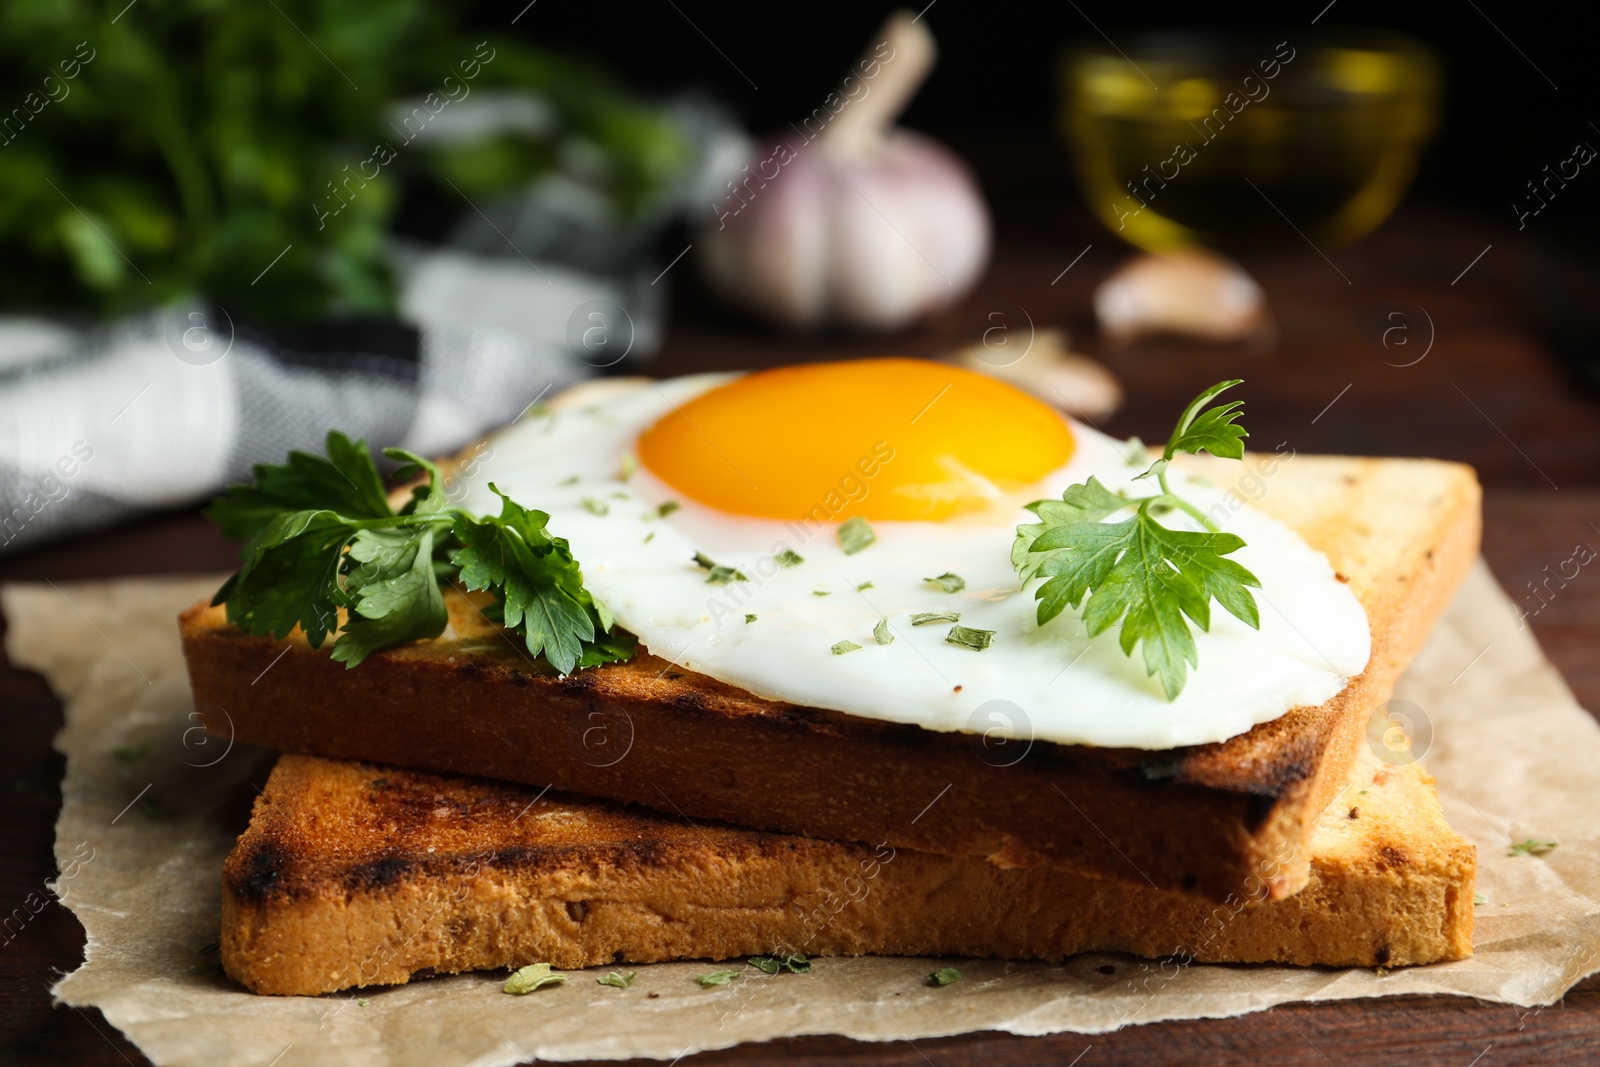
pixel 1151 578
pixel 321 536
pixel 171 149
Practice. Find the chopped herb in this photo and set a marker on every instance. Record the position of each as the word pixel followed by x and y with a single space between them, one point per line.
pixel 1361 793
pixel 533 976
pixel 131 752
pixel 748 619
pixel 618 495
pixel 789 558
pixel 922 618
pixel 668 508
pixel 797 964
pixel 205 968
pixel 571 479
pixel 977 640
pixel 863 587
pixel 651 536
pixel 944 976
pixel 854 535
pixel 618 981
pixel 626 466
pixel 950 583
pixel 1531 847
pixel 881 634
pixel 362 1002
pixel 716 978
pixel 1152 580
pixel 819 591
pixel 1478 900
pixel 845 646
pixel 718 574
pixel 596 506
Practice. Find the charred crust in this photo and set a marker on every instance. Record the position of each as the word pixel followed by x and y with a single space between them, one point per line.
pixel 1392 857
pixel 258 874
pixel 579 683
pixel 690 700
pixel 379 874
pixel 1259 808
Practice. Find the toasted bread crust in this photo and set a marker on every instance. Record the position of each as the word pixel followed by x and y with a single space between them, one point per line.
pixel 354 874
pixel 1204 819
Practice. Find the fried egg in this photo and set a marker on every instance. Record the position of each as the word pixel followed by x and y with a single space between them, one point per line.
pixel 706 513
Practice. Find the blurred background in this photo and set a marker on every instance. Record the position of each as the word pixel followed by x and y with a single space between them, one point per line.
pixel 229 228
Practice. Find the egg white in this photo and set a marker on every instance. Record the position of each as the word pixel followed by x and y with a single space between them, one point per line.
pixel 1051 683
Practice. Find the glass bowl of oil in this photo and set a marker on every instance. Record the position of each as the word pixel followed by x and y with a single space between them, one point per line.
pixel 1247 143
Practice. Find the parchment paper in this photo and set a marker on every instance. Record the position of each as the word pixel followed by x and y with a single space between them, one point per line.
pixel 142 836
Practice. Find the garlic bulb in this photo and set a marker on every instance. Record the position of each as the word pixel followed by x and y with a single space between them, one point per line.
pixel 843 221
pixel 1191 292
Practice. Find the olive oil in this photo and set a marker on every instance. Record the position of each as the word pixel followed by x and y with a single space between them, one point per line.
pixel 1242 145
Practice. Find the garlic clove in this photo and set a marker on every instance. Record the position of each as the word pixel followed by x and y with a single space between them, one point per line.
pixel 1050 370
pixel 1191 292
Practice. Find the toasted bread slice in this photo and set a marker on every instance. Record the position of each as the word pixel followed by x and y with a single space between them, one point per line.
pixel 1206 819
pixel 354 874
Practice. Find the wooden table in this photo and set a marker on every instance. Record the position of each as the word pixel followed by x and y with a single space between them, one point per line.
pixel 1486 393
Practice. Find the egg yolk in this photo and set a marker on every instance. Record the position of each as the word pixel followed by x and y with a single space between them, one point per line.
pixel 891 439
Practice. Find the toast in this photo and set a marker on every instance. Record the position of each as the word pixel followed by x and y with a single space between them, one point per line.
pixel 354 874
pixel 1205 819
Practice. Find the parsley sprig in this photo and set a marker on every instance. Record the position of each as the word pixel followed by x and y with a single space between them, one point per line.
pixel 320 536
pixel 1152 579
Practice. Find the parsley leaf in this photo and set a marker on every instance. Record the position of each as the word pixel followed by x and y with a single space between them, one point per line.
pixel 922 618
pixel 343 480
pixel 842 647
pixel 1531 847
pixel 950 583
pixel 797 964
pixel 1150 579
pixel 618 980
pixel 944 976
pixel 1130 568
pixel 977 640
pixel 717 573
pixel 533 976
pixel 881 634
pixel 715 978
pixel 397 594
pixel 542 591
pixel 1213 430
pixel 855 534
pixel 290 577
pixel 789 558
